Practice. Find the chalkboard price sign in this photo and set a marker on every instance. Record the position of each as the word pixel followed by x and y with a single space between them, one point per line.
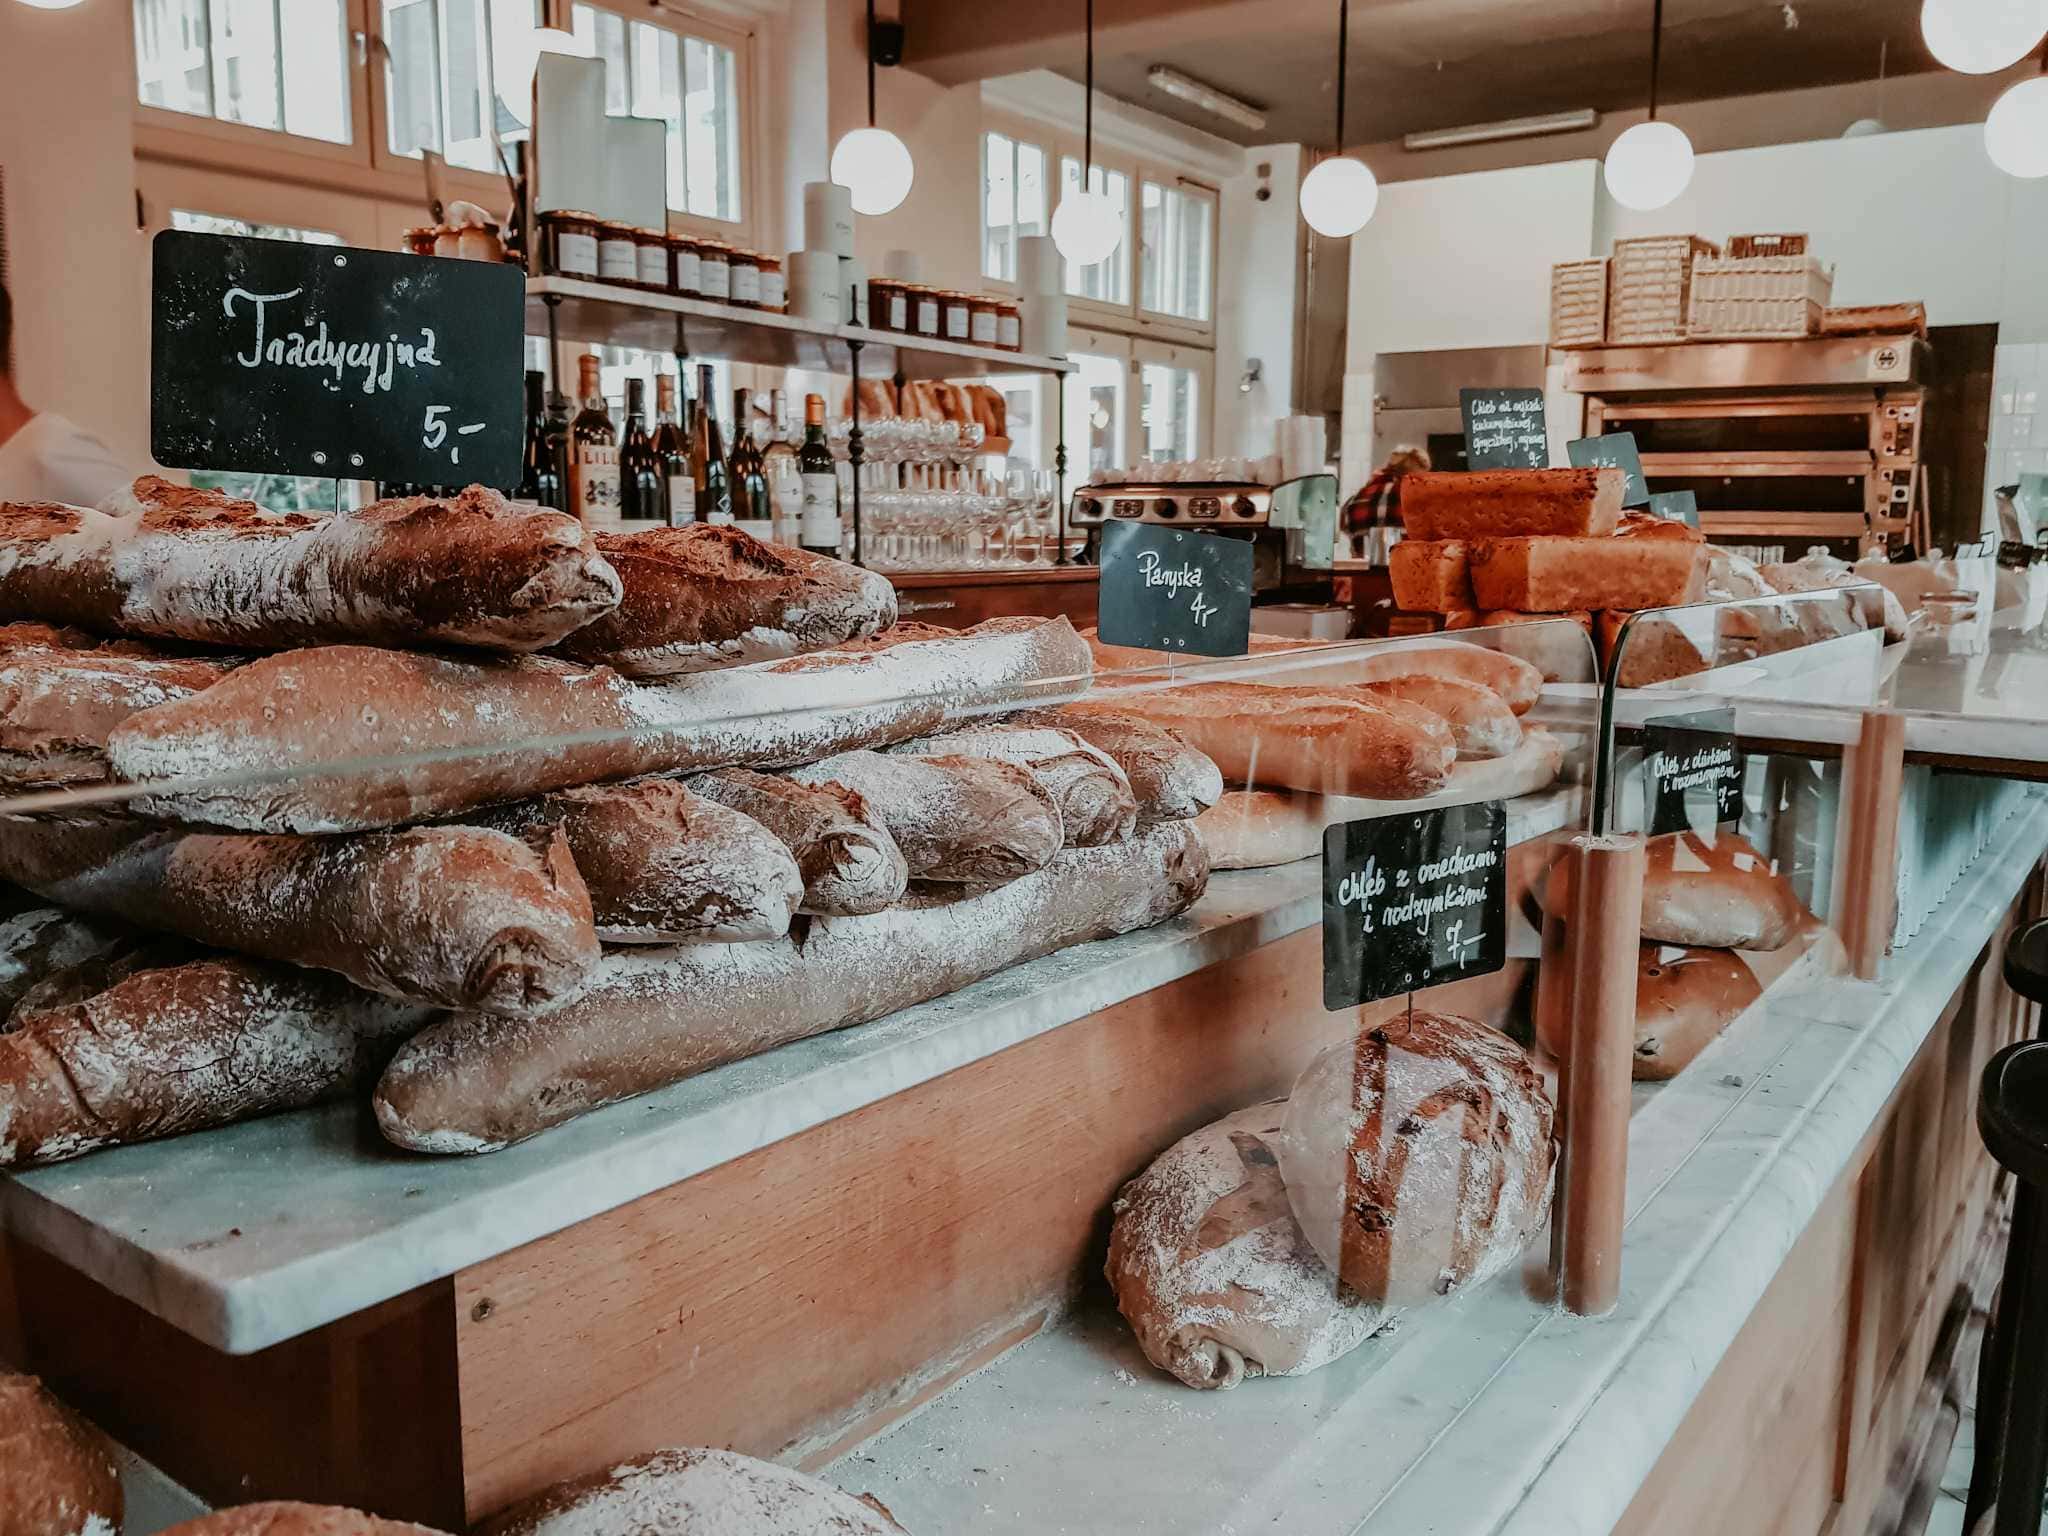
pixel 1504 429
pixel 1679 506
pixel 274 357
pixel 1692 772
pixel 1175 589
pixel 1616 450
pixel 1413 901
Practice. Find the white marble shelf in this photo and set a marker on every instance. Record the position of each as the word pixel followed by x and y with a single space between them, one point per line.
pixel 256 1233
pixel 1496 1415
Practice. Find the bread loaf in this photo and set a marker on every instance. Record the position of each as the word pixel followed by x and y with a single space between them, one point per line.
pixel 1562 575
pixel 1647 525
pixel 44 940
pixel 184 1049
pixel 1295 738
pixel 1321 666
pixel 109 968
pixel 57 1472
pixel 1417 1156
pixel 1684 999
pixel 59 702
pixel 474 1082
pixel 1509 503
pixel 1110 659
pixel 693 1491
pixel 848 861
pixel 475 570
pixel 456 916
pixel 286 1519
pixel 1719 893
pixel 1170 780
pixel 1431 575
pixel 1481 723
pixel 665 866
pixel 1094 798
pixel 969 819
pixel 709 595
pixel 1557 654
pixel 1211 1269
pixel 1800 576
pixel 452 735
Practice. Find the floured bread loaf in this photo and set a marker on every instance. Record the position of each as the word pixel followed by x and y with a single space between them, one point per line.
pixel 1481 723
pixel 287 1519
pixel 63 692
pixel 44 940
pixel 1212 1271
pixel 706 595
pixel 1170 779
pixel 1095 800
pixel 1719 894
pixel 1564 575
pixel 57 1472
pixel 694 1491
pixel 1417 1156
pixel 844 853
pixel 970 819
pixel 168 562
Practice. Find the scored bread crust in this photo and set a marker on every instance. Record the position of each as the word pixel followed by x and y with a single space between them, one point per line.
pixel 958 819
pixel 848 861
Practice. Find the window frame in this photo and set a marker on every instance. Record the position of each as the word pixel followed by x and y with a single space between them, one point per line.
pixel 1156 321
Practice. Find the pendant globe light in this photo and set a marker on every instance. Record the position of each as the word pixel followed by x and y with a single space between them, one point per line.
pixel 872 163
pixel 2016 132
pixel 1651 163
pixel 1339 194
pixel 520 57
pixel 1086 226
pixel 1981 37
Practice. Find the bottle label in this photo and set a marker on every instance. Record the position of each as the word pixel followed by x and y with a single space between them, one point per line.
pixel 576 255
pixel 746 285
pixel 653 261
pixel 686 271
pixel 594 486
pixel 927 317
pixel 682 500
pixel 714 278
pixel 1009 331
pixel 819 524
pixel 983 330
pixel 618 261
pixel 899 312
pixel 956 322
pixel 774 290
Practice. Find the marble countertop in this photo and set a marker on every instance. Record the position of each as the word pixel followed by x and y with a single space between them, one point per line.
pixel 256 1233
pixel 1495 1415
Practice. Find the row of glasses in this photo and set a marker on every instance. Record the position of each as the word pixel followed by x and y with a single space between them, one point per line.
pixel 908 440
pixel 936 518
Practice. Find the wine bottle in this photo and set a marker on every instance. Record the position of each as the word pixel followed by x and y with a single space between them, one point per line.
pixel 593 454
pixel 707 457
pixel 672 451
pixel 640 489
pixel 819 532
pixel 539 479
pixel 752 509
pixel 785 481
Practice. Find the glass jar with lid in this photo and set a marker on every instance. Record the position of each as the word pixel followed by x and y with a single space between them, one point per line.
pixel 714 271
pixel 419 240
pixel 1009 326
pixel 888 304
pixel 959 316
pixel 618 254
pixel 924 310
pixel 650 257
pixel 479 242
pixel 447 241
pixel 568 243
pixel 682 250
pixel 774 286
pixel 981 320
pixel 744 279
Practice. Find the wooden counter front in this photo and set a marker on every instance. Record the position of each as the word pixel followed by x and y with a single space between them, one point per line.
pixel 960 599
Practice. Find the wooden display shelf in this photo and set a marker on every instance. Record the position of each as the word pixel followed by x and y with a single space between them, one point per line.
pixel 963 598
pixel 1751 463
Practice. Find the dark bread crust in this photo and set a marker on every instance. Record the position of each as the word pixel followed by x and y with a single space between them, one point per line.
pixel 849 862
pixel 57 1472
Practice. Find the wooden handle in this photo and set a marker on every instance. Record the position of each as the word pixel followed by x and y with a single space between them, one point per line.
pixel 1600 954
pixel 1867 840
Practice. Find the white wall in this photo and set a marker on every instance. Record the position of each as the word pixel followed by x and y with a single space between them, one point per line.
pixel 1258 266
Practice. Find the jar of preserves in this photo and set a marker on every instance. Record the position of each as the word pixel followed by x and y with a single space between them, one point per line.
pixel 618 254
pixel 1009 326
pixel 683 253
pixel 744 280
pixel 568 244
pixel 981 320
pixel 924 305
pixel 650 257
pixel 888 304
pixel 959 316
pixel 479 242
pixel 447 241
pixel 714 271
pixel 774 286
pixel 419 240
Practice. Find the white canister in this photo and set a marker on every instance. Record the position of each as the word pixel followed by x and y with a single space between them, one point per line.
pixel 853 290
pixel 1045 324
pixel 814 295
pixel 1041 269
pixel 904 266
pixel 828 218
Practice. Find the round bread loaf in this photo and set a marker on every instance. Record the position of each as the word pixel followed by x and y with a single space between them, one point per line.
pixel 1417 1156
pixel 693 1491
pixel 57 1473
pixel 1211 1269
pixel 1718 894
pixel 284 1518
pixel 1684 999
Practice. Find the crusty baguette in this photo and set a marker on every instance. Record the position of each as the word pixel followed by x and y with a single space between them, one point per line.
pixel 849 862
pixel 109 968
pixel 1170 779
pixel 455 916
pixel 967 819
pixel 287 1519
pixel 1295 738
pixel 57 1472
pixel 1317 665
pixel 1540 639
pixel 1507 503
pixel 1431 575
pixel 474 1083
pixel 1095 799
pixel 184 1049
pixel 452 735
pixel 665 866
pixel 1717 893
pixel 1558 575
pixel 44 940
pixel 58 702
pixel 706 595
pixel 693 1491
pixel 476 570
pixel 1481 723
pixel 1124 658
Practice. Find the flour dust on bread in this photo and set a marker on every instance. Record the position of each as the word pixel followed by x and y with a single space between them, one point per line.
pixel 42 941
pixel 1212 1271
pixel 58 1476
pixel 847 859
pixel 1094 798
pixel 282 1518
pixel 1169 779
pixel 973 820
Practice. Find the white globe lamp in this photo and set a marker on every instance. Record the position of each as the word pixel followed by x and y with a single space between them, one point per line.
pixel 518 56
pixel 1981 37
pixel 874 165
pixel 2016 132
pixel 1338 196
pixel 1649 166
pixel 51 5
pixel 1086 227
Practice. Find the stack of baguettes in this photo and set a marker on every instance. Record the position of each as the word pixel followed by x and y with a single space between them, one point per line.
pixel 512 821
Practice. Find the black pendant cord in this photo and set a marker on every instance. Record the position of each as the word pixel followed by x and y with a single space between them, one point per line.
pixel 1343 54
pixel 1656 51
pixel 871 63
pixel 1088 107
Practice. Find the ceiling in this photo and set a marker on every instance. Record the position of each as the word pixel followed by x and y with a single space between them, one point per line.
pixel 1419 64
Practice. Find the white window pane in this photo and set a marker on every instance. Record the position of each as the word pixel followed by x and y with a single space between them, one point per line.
pixel 1178 245
pixel 1168 409
pixel 315 60
pixel 1031 210
pixel 711 129
pixel 221 224
pixel 512 27
pixel 999 207
pixel 412 33
pixel 1108 280
pixel 245 62
pixel 1095 414
pixel 172 55
pixel 692 86
pixel 464 53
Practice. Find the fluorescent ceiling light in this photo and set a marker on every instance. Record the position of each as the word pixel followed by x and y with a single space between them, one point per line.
pixel 1207 97
pixel 1511 128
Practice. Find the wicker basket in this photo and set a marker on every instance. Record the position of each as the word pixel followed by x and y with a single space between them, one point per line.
pixel 1578 303
pixel 1757 297
pixel 1649 287
pixel 1766 245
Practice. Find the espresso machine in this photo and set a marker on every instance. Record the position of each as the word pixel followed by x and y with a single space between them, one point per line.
pixel 1292 527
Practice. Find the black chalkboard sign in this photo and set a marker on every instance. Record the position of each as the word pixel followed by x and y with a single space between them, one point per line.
pixel 1617 450
pixel 1504 429
pixel 1175 589
pixel 273 357
pixel 1692 772
pixel 1679 506
pixel 1413 901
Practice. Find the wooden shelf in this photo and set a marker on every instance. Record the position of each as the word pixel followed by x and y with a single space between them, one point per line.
pixel 1779 525
pixel 1744 464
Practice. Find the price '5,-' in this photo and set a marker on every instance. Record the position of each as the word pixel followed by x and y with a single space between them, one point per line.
pixel 436 432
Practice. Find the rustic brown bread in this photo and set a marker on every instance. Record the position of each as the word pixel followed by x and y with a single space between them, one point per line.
pixel 45 940
pixel 473 570
pixel 107 969
pixel 1685 998
pixel 1431 575
pixel 849 862
pixel 57 1472
pixel 1095 799
pixel 1558 575
pixel 1170 779
pixel 457 916
pixel 1506 503
pixel 706 596
pixel 186 1048
pixel 968 819
pixel 1719 893
pixel 474 1083
pixel 1110 659
pixel 664 866
pixel 504 730
pixel 1313 666
pixel 287 1519
pixel 1481 723
pixel 63 691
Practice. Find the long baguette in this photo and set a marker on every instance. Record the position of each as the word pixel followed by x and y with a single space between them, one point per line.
pixel 472 1083
pixel 706 596
pixel 955 819
pixel 44 940
pixel 446 736
pixel 454 916
pixel 664 866
pixel 58 703
pixel 1095 799
pixel 1481 723
pixel 1169 778
pixel 183 1049
pixel 849 862
pixel 474 570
